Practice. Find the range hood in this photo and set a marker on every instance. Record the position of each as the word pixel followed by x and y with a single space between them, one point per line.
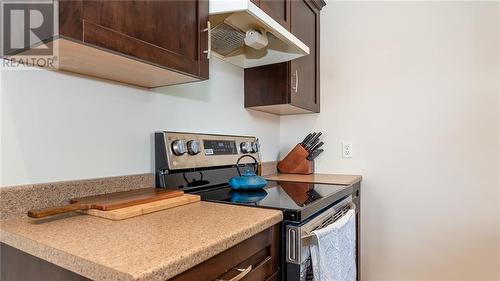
pixel 233 20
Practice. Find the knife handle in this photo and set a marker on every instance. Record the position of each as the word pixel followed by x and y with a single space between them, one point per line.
pixel 317 146
pixel 313 141
pixel 306 139
pixel 306 144
pixel 312 145
pixel 314 154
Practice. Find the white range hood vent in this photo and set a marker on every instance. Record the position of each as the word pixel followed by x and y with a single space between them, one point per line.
pixel 230 21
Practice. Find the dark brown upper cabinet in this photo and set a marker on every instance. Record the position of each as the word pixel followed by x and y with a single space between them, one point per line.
pixel 279 10
pixel 143 43
pixel 290 87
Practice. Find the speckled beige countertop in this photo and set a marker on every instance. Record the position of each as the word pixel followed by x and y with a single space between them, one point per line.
pixel 156 246
pixel 318 178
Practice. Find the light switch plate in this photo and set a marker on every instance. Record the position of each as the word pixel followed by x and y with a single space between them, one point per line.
pixel 347 149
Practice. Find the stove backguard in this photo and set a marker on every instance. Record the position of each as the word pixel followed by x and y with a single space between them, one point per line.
pixel 192 161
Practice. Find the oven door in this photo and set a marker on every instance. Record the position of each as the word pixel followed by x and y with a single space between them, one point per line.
pixel 298 237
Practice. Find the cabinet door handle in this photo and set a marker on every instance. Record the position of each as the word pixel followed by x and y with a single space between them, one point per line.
pixel 209 31
pixel 295 88
pixel 296 81
pixel 243 273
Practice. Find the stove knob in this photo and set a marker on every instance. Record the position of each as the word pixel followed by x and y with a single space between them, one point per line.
pixel 179 147
pixel 193 147
pixel 255 147
pixel 246 147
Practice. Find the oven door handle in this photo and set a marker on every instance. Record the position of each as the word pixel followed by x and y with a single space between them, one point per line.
pixel 307 239
pixel 298 237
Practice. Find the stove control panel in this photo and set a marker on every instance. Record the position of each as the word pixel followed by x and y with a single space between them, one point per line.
pixel 220 147
pixel 175 150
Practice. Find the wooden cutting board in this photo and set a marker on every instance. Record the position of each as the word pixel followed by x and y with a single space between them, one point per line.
pixel 146 208
pixel 110 201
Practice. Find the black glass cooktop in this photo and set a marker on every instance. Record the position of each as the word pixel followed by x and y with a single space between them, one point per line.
pixel 297 200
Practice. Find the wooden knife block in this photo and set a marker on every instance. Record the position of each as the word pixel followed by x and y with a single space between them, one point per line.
pixel 296 163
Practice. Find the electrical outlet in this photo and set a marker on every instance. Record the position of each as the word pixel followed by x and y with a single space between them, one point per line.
pixel 347 149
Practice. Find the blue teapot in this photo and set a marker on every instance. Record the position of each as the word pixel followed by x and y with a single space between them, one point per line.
pixel 248 180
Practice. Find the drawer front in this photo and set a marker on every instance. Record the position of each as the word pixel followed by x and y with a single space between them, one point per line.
pixel 261 271
pixel 253 259
pixel 257 268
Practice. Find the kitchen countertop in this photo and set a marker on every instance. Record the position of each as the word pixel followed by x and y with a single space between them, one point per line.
pixel 318 178
pixel 156 246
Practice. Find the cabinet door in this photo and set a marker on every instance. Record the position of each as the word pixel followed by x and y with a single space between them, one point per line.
pixel 267 85
pixel 279 10
pixel 304 71
pixel 165 33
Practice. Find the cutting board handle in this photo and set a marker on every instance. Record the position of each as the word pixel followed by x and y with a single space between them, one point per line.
pixel 57 210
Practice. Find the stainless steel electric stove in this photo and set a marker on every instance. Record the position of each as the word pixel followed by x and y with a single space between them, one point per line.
pixel 204 163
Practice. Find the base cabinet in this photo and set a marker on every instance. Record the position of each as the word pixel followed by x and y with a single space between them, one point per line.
pixel 17 265
pixel 255 259
pixel 290 87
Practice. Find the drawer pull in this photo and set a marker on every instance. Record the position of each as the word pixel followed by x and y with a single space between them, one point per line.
pixel 243 273
pixel 296 87
pixel 209 31
pixel 296 80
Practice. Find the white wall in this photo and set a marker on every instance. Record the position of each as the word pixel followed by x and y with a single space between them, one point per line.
pixel 415 86
pixel 60 127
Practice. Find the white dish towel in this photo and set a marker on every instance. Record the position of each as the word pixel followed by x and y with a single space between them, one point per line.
pixel 333 252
